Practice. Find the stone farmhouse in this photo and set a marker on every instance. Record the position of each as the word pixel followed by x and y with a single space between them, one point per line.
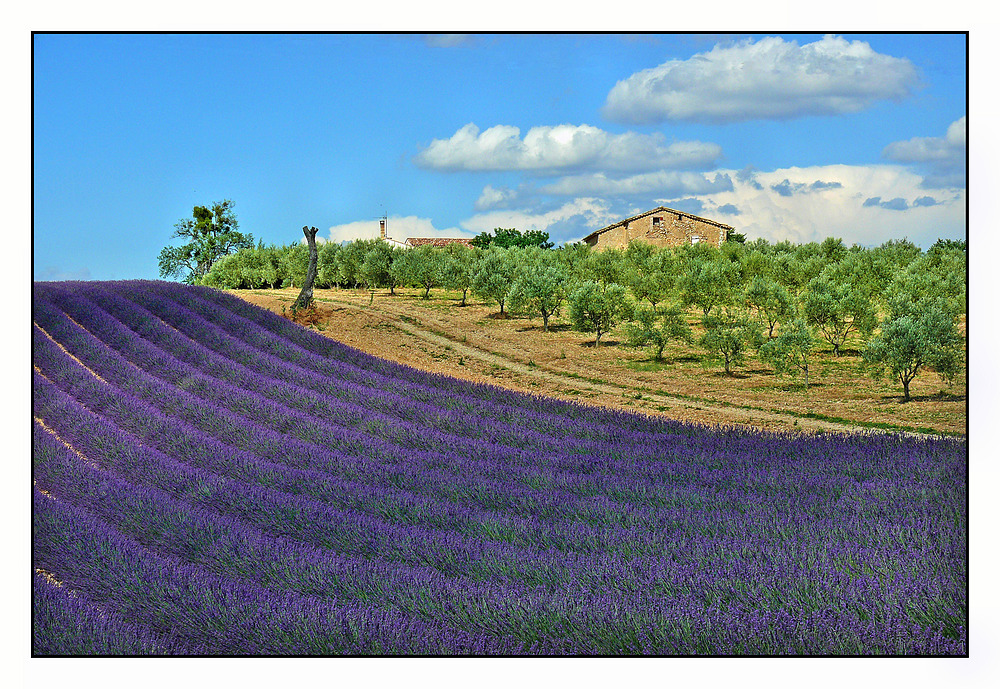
pixel 661 226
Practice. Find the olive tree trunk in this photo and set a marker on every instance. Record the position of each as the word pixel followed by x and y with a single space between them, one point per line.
pixel 306 295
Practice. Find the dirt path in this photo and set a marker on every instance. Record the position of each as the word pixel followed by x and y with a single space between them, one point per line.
pixel 599 392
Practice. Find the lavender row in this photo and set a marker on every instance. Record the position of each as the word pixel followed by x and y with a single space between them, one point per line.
pixel 578 620
pixel 501 525
pixel 66 623
pixel 274 333
pixel 666 520
pixel 381 410
pixel 687 577
pixel 221 614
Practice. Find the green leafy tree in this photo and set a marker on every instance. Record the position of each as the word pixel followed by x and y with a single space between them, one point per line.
pixel 729 334
pixel 597 308
pixel 789 352
pixel 328 272
pixel 212 232
pixel 649 272
pixel 607 267
pixel 919 335
pixel 539 287
pixel 350 258
pixel 493 275
pixel 837 310
pixel 770 301
pixel 656 328
pixel 456 269
pixel 508 237
pixel 376 269
pixel 709 283
pixel 294 264
pixel 420 266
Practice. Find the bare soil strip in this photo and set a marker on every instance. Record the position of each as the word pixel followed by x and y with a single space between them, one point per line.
pixel 397 329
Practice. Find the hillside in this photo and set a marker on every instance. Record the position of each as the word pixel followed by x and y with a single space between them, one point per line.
pixel 470 343
pixel 210 478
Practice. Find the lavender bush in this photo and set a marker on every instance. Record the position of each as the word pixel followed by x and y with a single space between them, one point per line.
pixel 213 479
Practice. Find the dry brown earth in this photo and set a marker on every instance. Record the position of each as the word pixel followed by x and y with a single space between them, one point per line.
pixel 471 343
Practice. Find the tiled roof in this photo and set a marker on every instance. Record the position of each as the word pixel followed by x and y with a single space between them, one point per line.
pixel 659 209
pixel 437 241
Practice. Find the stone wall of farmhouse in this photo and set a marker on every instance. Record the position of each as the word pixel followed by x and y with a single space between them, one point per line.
pixel 671 229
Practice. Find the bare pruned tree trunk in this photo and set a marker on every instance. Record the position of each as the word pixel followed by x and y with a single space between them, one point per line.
pixel 306 295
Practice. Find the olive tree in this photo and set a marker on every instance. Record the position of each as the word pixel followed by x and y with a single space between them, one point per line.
pixel 597 308
pixel 493 275
pixel 925 337
pixel 729 334
pixel 789 352
pixel 656 328
pixel 539 286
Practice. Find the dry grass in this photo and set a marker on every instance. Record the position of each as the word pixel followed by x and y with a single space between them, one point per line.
pixel 436 335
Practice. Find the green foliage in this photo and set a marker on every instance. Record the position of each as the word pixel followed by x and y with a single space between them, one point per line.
pixel 456 271
pixel 649 272
pixel 916 335
pixel 789 352
pixel 493 275
pixel 607 267
pixel 210 234
pixel 771 302
pixel 837 310
pixel 597 308
pixel 539 286
pixel 729 334
pixel 376 269
pixel 328 275
pixel 421 266
pixel 710 281
pixel 510 238
pixel 350 259
pixel 656 328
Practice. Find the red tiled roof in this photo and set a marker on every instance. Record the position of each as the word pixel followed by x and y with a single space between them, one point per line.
pixel 437 241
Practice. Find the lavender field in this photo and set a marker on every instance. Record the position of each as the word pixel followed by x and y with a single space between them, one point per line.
pixel 210 478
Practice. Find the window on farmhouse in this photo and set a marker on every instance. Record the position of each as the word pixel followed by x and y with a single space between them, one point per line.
pixel 657 222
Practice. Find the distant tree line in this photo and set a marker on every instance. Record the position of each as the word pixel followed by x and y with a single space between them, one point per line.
pixel 780 301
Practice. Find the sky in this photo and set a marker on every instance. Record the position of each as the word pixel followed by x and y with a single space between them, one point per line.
pixel 783 136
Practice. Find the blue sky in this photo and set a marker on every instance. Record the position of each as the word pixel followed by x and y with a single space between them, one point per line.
pixel 784 136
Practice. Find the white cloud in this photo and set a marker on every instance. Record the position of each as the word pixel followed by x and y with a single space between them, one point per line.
pixel 397 227
pixel 562 147
pixel 492 197
pixel 575 218
pixel 769 79
pixel 871 205
pixel 662 182
pixel 944 156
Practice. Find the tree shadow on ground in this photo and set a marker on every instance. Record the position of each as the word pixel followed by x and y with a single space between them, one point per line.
pixel 562 327
pixel 936 397
pixel 604 343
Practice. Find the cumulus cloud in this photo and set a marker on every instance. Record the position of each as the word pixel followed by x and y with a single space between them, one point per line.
pixel 562 147
pixel 492 197
pixel 570 221
pixel 944 157
pixel 397 227
pixel 786 188
pixel 768 79
pixel 661 183
pixel 867 205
